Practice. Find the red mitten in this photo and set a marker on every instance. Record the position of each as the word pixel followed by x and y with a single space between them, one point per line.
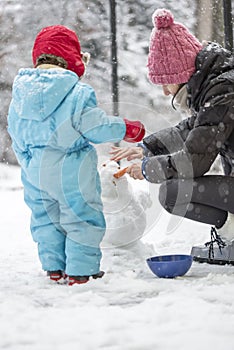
pixel 135 131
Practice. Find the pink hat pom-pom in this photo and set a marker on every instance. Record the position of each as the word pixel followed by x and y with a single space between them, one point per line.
pixel 162 18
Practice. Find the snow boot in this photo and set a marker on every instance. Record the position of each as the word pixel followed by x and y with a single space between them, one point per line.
pixel 56 276
pixel 83 279
pixel 217 251
pixel 227 230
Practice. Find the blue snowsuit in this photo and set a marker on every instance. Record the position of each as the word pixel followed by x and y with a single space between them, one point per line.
pixel 52 119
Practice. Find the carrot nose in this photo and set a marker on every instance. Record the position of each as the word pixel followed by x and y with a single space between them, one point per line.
pixel 120 173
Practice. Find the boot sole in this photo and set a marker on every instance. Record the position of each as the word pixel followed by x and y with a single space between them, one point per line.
pixel 213 261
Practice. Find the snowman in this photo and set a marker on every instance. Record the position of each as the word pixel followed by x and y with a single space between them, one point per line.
pixel 124 208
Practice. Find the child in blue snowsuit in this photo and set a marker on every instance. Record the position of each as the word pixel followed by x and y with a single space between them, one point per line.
pixel 52 119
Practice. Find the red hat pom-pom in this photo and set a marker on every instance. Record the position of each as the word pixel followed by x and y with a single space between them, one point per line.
pixel 162 18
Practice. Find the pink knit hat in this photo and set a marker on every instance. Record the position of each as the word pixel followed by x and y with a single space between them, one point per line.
pixel 172 50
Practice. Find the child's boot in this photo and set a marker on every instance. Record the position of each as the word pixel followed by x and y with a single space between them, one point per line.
pixel 83 279
pixel 56 276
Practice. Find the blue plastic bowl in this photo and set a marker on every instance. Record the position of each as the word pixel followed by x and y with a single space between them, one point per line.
pixel 170 266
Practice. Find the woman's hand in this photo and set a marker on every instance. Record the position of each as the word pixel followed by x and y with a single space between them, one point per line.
pixel 129 153
pixel 135 171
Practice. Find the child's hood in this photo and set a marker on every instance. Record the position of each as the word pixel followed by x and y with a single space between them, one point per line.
pixel 38 92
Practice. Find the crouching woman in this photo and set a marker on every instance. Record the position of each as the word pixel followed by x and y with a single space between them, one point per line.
pixel 201 80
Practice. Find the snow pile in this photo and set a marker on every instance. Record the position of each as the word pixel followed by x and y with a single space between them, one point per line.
pixel 8 176
pixel 124 208
pixel 128 309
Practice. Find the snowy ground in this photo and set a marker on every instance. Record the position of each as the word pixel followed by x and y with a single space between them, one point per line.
pixel 129 309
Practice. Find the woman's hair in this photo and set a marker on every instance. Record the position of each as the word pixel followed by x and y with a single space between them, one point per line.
pixel 51 59
pixel 173 98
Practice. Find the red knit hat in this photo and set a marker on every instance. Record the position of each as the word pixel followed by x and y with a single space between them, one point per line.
pixel 60 41
pixel 172 51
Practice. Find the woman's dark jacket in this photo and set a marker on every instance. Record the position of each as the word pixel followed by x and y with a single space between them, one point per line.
pixel 189 149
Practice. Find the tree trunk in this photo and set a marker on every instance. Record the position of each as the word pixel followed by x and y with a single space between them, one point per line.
pixel 210 21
